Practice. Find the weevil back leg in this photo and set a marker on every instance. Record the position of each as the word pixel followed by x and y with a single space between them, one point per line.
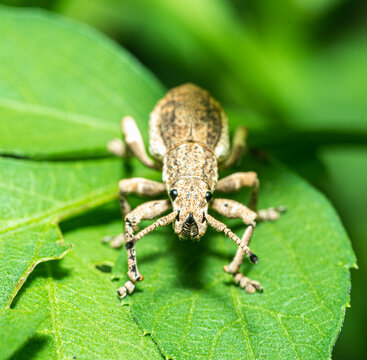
pixel 249 179
pixel 117 147
pixel 239 144
pixel 270 214
pixel 135 143
pixel 239 180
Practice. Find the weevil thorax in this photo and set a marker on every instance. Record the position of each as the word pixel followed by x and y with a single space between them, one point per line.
pixel 190 175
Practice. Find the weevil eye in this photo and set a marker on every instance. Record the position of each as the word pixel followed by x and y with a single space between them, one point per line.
pixel 208 196
pixel 173 194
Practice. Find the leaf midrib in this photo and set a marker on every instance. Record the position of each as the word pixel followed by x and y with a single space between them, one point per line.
pixel 67 116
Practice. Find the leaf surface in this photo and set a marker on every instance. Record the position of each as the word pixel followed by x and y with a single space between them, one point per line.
pixel 64 87
pixel 86 319
pixel 33 198
pixel 189 306
pixel 192 309
pixel 55 102
pixel 16 327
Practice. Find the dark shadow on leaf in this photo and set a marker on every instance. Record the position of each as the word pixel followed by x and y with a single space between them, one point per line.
pixel 104 267
pixel 53 268
pixel 144 259
pixel 32 347
pixel 190 258
pixel 99 216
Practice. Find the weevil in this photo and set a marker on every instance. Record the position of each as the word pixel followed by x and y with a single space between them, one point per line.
pixel 189 141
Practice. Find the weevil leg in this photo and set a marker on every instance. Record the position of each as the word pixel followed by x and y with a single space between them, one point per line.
pixel 135 142
pixel 139 186
pixel 234 209
pixel 239 180
pixel 239 144
pixel 117 147
pixel 147 211
pixel 270 214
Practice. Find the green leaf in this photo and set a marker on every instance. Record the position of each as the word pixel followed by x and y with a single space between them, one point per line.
pixel 64 87
pixel 86 319
pixel 187 300
pixel 346 189
pixel 55 115
pixel 16 327
pixel 22 250
pixel 33 198
pixel 37 112
pixel 188 305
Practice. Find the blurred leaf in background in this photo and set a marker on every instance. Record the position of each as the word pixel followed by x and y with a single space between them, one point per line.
pixel 294 72
pixel 272 57
pixel 46 4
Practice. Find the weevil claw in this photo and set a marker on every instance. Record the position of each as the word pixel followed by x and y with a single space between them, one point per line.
pixel 122 292
pixel 253 258
pixel 127 288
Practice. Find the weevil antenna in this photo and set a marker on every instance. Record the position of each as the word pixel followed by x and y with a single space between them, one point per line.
pixel 219 226
pixel 163 221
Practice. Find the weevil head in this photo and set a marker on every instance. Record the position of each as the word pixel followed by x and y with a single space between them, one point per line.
pixel 190 199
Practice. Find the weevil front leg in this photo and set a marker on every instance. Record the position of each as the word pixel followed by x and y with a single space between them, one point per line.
pixel 139 186
pixel 233 209
pixel 147 211
pixel 134 142
pixel 249 179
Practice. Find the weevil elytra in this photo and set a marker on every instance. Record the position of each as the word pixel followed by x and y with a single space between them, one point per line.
pixel 189 140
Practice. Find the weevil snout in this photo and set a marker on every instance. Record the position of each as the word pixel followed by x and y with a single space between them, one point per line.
pixel 190 228
pixel 190 201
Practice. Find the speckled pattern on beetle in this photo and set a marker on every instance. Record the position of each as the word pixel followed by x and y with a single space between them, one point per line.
pixel 189 141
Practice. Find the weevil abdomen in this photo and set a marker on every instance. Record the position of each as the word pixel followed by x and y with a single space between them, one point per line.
pixel 186 114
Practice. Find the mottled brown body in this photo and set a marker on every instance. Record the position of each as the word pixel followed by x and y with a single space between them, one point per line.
pixel 188 139
pixel 188 114
pixel 189 134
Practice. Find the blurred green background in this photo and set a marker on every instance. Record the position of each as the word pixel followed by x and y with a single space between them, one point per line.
pixel 295 71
